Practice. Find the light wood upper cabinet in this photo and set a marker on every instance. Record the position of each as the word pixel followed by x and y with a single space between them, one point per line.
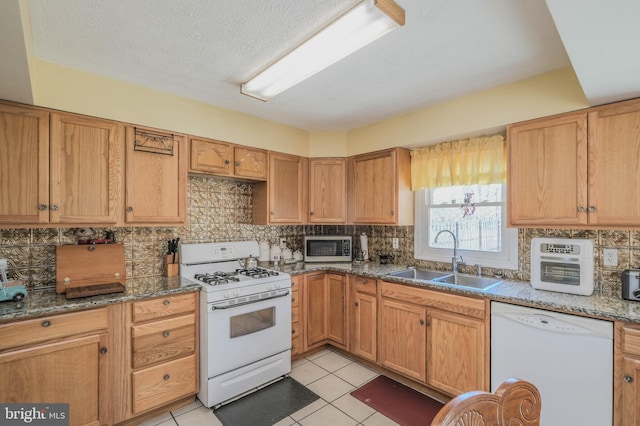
pixel 86 160
pixel 327 190
pixel 24 162
pixel 380 188
pixel 614 150
pixel 283 198
pixel 156 179
pixel 547 171
pixel 576 169
pixel 225 159
pixel 59 168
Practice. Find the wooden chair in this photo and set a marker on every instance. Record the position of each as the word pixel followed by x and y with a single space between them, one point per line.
pixel 516 402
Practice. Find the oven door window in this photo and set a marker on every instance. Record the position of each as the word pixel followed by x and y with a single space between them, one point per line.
pixel 560 273
pixel 252 322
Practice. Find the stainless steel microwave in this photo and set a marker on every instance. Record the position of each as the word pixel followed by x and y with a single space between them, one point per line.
pixel 328 248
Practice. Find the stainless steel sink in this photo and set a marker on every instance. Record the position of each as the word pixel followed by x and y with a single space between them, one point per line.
pixel 419 274
pixel 468 281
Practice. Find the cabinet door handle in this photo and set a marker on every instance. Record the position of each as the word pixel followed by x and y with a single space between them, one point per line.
pixel 421 322
pixel 129 209
pixel 581 209
pixel 392 212
pixel 54 207
pixel 46 323
pixel 592 209
pixel 227 161
pixel 628 378
pixel 103 351
pixel 42 207
pixel 166 377
pixel 165 333
pixel 356 304
pixel 237 163
pixel 310 213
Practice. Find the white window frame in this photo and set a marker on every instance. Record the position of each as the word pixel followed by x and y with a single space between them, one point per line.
pixel 506 259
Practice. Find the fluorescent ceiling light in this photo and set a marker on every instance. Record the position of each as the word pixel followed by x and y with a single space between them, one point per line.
pixel 366 22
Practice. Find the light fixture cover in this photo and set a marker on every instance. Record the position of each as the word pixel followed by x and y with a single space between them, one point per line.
pixel 366 22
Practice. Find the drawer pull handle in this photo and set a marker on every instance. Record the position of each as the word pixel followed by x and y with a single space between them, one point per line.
pixel 166 377
pixel 293 332
pixel 293 299
pixel 628 379
pixel 364 281
pixel 46 323
pixel 166 302
pixel 103 350
pixel 165 333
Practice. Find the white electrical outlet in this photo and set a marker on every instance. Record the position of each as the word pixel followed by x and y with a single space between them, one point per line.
pixel 610 257
pixel 3 264
pixel 395 243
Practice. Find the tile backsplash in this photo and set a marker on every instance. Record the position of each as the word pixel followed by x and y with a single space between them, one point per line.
pixel 221 210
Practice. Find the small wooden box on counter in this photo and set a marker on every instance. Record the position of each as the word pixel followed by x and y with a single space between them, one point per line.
pixel 90 269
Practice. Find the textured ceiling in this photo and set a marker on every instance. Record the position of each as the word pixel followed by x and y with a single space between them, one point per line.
pixel 203 50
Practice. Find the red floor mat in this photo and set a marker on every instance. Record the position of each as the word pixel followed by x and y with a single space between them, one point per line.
pixel 398 402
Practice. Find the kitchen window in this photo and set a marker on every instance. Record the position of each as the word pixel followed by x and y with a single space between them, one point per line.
pixel 476 214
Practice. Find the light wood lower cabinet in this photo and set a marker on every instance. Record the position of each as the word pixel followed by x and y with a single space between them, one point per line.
pixel 436 338
pixel 325 310
pixel 626 385
pixel 60 358
pixel 296 327
pixel 403 335
pixel 363 338
pixel 161 363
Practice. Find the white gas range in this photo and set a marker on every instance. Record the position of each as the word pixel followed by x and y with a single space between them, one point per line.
pixel 245 319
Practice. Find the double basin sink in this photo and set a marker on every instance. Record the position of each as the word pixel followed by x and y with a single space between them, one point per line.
pixel 456 279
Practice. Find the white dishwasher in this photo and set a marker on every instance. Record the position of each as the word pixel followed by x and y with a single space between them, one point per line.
pixel 568 358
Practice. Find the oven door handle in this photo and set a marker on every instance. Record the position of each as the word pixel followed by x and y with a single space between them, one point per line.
pixel 215 308
pixel 560 259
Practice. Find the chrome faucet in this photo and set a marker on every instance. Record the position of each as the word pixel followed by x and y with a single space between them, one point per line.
pixel 455 259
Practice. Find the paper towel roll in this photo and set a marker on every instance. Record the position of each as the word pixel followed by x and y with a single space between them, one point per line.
pixel 364 245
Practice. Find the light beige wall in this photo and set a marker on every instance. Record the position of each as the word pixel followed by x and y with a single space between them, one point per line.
pixel 328 144
pixel 482 113
pixel 85 93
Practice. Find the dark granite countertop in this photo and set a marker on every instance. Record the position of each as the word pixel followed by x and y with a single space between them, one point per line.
pixel 599 305
pixel 43 302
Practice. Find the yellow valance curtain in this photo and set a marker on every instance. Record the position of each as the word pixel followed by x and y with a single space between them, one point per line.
pixel 464 162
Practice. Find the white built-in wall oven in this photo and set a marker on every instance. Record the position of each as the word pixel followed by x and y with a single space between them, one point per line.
pixel 245 319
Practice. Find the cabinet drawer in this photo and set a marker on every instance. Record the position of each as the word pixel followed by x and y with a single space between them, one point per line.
pixel 163 340
pixel 52 327
pixel 631 340
pixel 365 285
pixel 295 300
pixel 164 307
pixel 159 385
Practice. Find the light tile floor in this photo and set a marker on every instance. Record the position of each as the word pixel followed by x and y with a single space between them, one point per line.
pixel 331 375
